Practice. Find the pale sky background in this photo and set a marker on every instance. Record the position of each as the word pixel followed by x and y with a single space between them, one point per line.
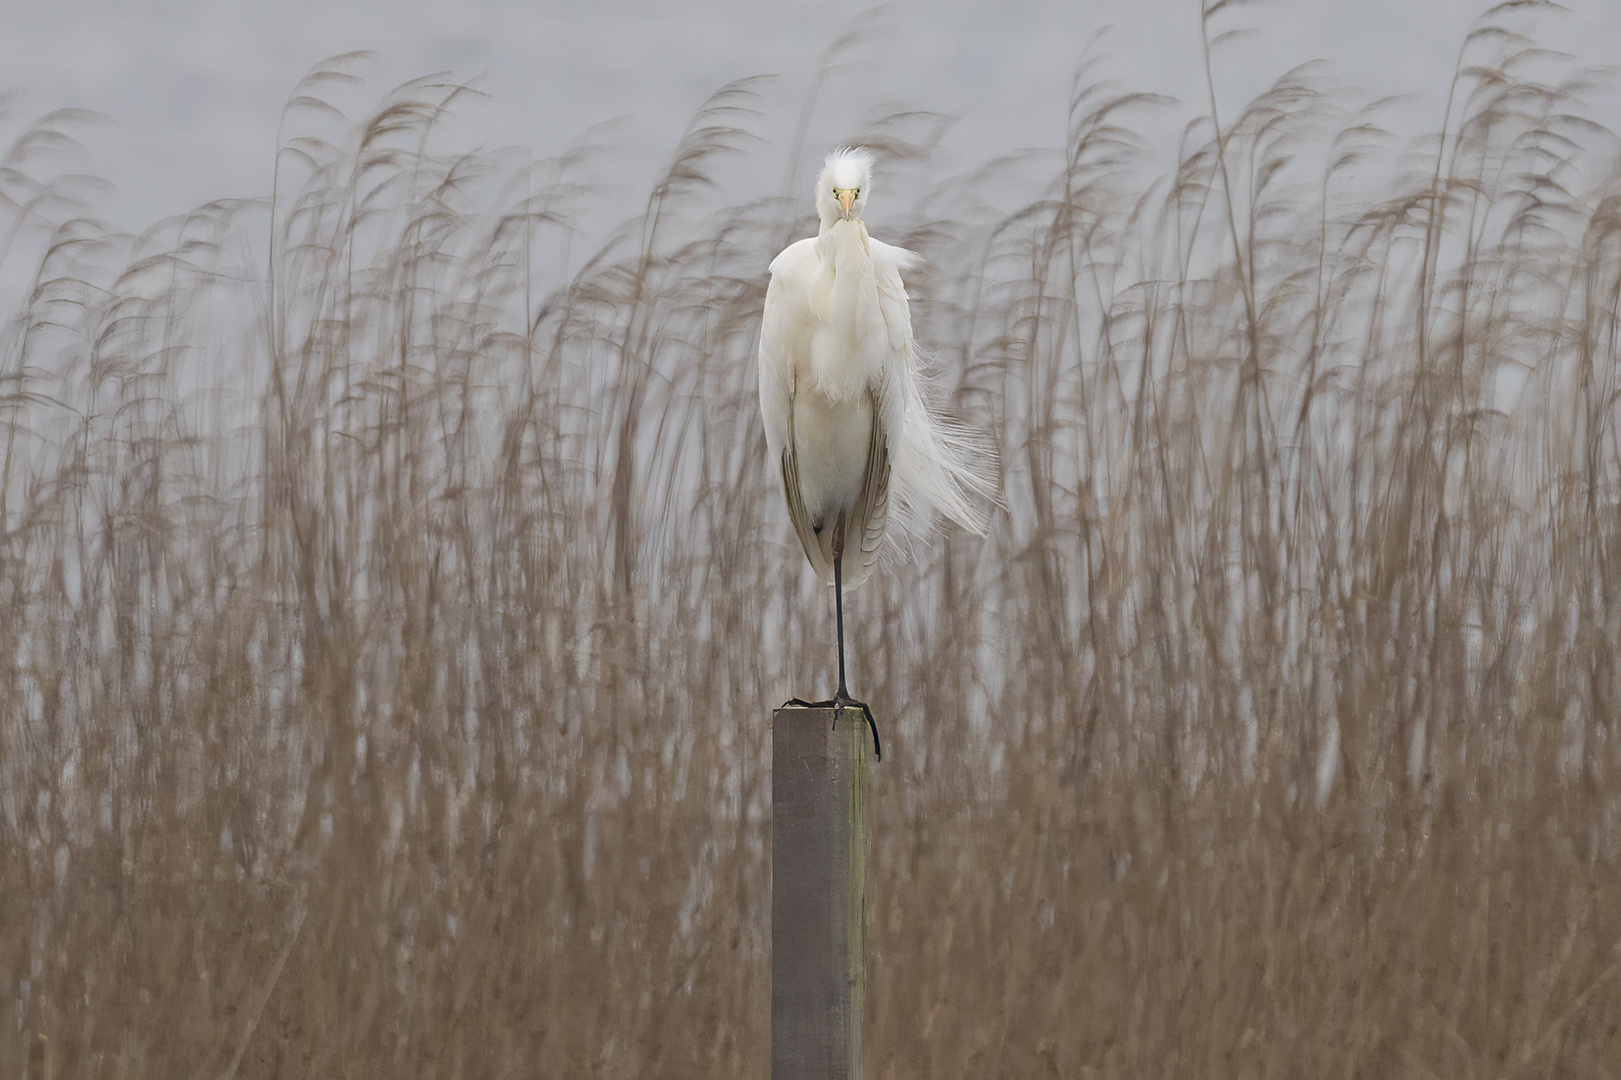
pixel 192 89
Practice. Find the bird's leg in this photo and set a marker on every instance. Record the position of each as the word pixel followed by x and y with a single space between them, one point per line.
pixel 842 700
pixel 838 618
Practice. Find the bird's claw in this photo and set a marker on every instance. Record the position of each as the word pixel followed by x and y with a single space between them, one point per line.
pixel 839 704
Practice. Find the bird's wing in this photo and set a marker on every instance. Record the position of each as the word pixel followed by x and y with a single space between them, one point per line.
pixel 887 263
pixel 784 331
pixel 872 504
pixel 941 467
pixel 797 513
pixel 781 332
pixel 887 394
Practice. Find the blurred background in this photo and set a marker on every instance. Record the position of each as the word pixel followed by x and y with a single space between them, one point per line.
pixel 394 592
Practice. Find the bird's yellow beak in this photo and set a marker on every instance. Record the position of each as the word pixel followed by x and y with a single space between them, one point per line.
pixel 846 197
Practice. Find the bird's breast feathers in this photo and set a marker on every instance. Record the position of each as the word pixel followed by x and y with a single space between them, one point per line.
pixel 840 340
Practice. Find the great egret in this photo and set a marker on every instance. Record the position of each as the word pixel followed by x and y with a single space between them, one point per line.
pixel 842 394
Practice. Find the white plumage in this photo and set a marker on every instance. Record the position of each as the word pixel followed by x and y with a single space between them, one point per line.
pixel 847 421
pixel 842 393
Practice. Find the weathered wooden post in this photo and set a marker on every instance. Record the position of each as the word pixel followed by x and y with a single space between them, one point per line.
pixel 818 893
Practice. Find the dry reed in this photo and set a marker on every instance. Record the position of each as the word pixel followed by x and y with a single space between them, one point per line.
pixel 388 632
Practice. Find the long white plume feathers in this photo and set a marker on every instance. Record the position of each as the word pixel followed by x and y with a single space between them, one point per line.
pixel 941 467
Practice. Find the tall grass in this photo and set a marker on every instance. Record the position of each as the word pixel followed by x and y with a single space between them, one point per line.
pixel 389 625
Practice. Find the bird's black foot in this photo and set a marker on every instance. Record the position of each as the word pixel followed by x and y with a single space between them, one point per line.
pixel 838 704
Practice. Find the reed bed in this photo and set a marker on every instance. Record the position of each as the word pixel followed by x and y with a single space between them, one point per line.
pixel 391 609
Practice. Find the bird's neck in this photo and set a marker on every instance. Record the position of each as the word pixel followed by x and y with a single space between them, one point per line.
pixel 842 239
pixel 830 220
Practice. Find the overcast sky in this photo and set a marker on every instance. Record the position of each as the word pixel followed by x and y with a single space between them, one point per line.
pixel 192 89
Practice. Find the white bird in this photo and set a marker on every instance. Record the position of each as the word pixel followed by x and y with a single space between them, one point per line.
pixel 843 396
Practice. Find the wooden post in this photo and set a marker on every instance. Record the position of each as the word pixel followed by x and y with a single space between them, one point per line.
pixel 818 893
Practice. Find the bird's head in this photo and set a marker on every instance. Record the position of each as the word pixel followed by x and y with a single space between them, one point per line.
pixel 841 190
